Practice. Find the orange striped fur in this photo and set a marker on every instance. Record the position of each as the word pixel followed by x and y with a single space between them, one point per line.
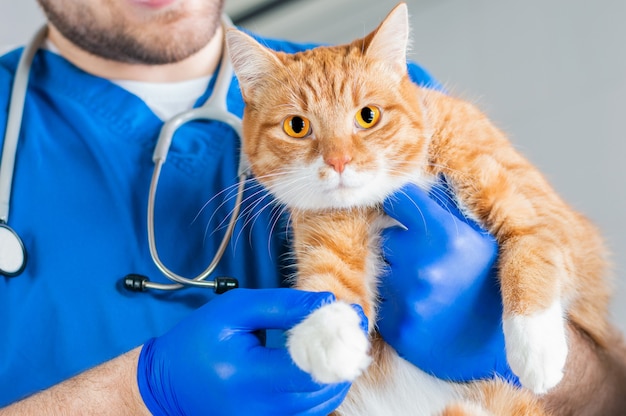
pixel 547 250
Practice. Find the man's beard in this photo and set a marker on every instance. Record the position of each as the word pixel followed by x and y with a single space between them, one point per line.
pixel 167 42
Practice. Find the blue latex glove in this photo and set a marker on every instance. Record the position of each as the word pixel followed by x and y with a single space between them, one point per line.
pixel 441 306
pixel 212 363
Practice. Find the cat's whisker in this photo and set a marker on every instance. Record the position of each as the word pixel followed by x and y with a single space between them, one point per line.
pixel 254 206
pixel 250 184
pixel 436 192
pixel 254 213
pixel 219 226
pixel 468 179
pixel 251 213
pixel 419 209
pixel 233 194
pixel 440 194
pixel 278 213
pixel 277 216
pixel 256 189
pixel 298 183
pixel 250 210
pixel 206 204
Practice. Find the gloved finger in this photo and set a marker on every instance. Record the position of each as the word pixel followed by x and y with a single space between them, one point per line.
pixel 278 363
pixel 413 208
pixel 276 366
pixel 321 402
pixel 442 194
pixel 438 204
pixel 272 308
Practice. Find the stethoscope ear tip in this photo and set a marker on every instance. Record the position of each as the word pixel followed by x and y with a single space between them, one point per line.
pixel 139 283
pixel 224 284
pixel 135 282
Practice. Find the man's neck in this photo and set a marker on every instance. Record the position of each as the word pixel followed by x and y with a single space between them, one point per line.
pixel 200 64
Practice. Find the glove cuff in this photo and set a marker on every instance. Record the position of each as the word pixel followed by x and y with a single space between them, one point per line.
pixel 150 379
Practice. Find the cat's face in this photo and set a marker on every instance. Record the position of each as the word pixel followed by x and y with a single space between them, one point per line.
pixel 335 127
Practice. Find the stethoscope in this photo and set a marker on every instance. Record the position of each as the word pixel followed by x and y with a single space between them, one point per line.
pixel 12 250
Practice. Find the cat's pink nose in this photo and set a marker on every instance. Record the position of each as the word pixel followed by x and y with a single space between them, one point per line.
pixel 338 162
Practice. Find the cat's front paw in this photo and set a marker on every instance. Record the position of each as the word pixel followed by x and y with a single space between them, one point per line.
pixel 536 347
pixel 330 344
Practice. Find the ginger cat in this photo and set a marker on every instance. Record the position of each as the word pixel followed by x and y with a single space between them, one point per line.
pixel 333 131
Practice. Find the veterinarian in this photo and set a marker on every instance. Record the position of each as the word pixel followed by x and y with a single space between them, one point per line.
pixel 76 341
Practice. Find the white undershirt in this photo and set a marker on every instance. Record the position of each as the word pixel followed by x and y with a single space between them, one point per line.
pixel 165 99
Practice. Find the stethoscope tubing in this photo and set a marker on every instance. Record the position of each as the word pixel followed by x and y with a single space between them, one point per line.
pixel 14 256
pixel 200 280
pixel 215 108
pixel 14 121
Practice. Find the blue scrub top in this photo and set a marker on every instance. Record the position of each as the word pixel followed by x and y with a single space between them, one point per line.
pixel 78 202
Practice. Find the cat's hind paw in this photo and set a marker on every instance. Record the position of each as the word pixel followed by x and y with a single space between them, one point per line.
pixel 536 347
pixel 330 344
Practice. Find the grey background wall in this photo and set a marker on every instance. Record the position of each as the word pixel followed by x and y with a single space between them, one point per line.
pixel 550 73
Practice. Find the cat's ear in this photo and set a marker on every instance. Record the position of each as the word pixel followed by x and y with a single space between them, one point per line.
pixel 252 62
pixel 390 40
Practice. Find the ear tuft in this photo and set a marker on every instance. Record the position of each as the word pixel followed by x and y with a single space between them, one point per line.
pixel 251 60
pixel 390 40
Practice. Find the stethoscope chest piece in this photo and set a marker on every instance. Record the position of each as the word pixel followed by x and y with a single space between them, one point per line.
pixel 12 252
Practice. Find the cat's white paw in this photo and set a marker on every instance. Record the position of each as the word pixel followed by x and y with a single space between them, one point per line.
pixel 330 344
pixel 536 347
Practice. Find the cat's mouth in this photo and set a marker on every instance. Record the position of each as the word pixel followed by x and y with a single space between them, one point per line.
pixel 342 187
pixel 343 195
pixel 347 190
pixel 346 180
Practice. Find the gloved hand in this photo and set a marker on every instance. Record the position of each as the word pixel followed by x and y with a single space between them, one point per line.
pixel 212 363
pixel 441 306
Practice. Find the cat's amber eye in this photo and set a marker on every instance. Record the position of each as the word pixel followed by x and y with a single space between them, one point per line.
pixel 367 117
pixel 297 126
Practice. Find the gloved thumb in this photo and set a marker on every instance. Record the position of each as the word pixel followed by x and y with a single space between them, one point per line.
pixel 273 308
